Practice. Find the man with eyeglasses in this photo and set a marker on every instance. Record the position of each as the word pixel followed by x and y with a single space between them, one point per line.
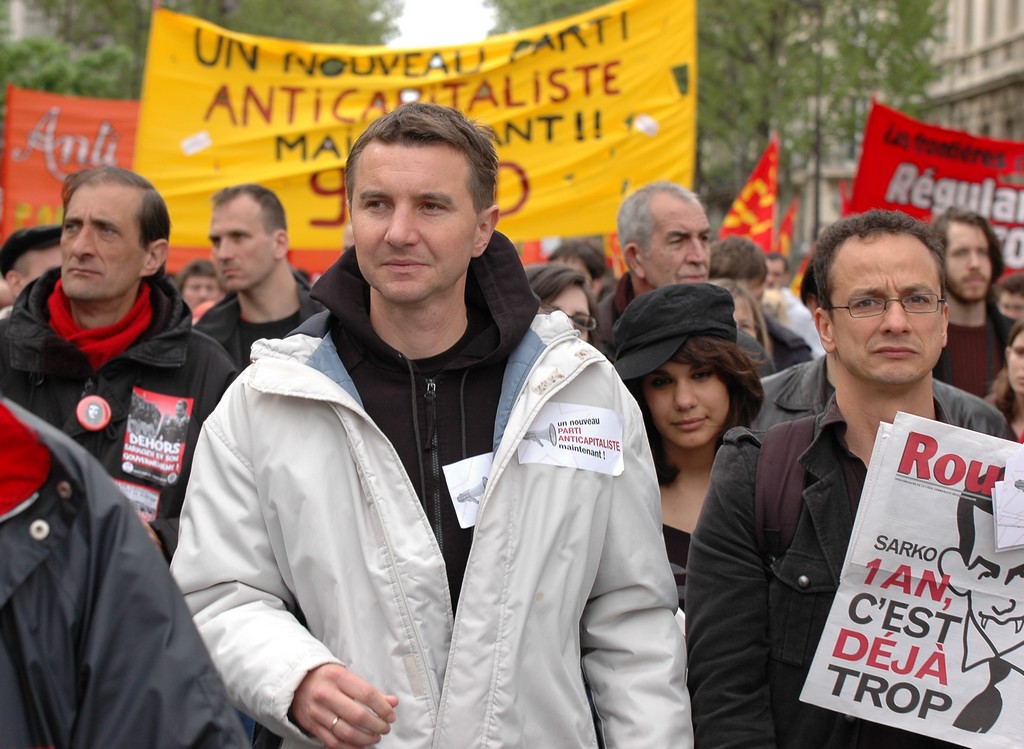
pixel 804 389
pixel 883 325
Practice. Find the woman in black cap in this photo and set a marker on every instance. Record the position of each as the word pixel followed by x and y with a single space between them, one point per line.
pixel 676 350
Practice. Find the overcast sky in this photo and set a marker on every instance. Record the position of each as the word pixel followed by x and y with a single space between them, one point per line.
pixel 427 23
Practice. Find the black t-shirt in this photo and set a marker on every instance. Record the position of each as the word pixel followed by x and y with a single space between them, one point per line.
pixel 677 546
pixel 429 431
pixel 250 332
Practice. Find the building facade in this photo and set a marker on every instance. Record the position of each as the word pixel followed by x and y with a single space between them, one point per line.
pixel 24 21
pixel 981 89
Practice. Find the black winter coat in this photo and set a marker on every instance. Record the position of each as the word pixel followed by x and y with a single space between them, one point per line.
pixel 97 647
pixel 141 447
pixel 748 661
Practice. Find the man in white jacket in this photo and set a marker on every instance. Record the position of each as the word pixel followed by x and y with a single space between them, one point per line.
pixel 429 517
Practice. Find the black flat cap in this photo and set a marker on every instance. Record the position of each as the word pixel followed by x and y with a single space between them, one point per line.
pixel 656 324
pixel 25 240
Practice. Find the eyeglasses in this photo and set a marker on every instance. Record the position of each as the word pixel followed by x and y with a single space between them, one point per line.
pixel 583 322
pixel 872 306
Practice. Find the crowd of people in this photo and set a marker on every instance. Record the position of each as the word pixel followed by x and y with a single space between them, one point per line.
pixel 440 499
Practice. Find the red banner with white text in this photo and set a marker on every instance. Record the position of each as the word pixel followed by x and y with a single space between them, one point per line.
pixel 923 169
pixel 48 136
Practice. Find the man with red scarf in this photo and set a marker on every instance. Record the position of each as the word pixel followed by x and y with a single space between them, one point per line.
pixel 103 347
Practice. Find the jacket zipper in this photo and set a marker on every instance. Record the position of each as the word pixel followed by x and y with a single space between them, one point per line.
pixel 435 463
pixel 442 704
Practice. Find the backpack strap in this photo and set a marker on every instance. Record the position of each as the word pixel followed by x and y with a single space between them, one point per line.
pixel 779 486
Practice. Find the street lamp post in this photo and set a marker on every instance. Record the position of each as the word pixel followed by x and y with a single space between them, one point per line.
pixel 818 8
pixel 817 121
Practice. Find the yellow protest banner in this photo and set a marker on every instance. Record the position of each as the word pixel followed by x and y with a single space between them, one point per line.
pixel 585 109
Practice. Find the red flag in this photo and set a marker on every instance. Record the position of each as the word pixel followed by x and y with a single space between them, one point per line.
pixel 798 277
pixel 753 212
pixel 845 200
pixel 529 252
pixel 785 240
pixel 613 254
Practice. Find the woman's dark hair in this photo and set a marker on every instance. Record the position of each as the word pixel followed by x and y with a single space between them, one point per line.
pixel 581 250
pixel 733 367
pixel 1003 396
pixel 548 280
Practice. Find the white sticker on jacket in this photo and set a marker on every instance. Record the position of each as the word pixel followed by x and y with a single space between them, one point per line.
pixel 144 500
pixel 467 481
pixel 574 436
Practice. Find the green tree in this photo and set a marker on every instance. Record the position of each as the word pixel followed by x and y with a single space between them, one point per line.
pixel 510 15
pixel 90 26
pixel 329 21
pixel 758 71
pixel 47 64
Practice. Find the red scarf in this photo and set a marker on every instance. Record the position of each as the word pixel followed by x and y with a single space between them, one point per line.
pixel 24 462
pixel 100 345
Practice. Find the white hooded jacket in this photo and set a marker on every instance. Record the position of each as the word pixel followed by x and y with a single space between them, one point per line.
pixel 298 503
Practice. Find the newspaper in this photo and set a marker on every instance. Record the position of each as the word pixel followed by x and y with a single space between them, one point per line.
pixel 1008 504
pixel 925 633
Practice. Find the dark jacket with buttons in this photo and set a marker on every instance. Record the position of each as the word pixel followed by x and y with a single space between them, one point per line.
pixel 753 623
pixel 49 376
pixel 97 647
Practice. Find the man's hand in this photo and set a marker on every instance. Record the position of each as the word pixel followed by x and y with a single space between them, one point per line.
pixel 153 537
pixel 341 709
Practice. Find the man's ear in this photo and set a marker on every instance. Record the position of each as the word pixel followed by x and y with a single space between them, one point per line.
pixel 953 567
pixel 945 325
pixel 280 238
pixel 156 257
pixel 487 220
pixel 826 329
pixel 13 279
pixel 629 254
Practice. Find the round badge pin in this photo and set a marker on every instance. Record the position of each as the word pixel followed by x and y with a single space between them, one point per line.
pixel 93 413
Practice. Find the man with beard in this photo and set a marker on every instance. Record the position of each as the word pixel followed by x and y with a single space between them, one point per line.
pixel 977 330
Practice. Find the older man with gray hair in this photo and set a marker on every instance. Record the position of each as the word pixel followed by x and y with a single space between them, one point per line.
pixel 665 238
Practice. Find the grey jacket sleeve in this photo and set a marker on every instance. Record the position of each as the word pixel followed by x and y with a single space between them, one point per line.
pixel 727 609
